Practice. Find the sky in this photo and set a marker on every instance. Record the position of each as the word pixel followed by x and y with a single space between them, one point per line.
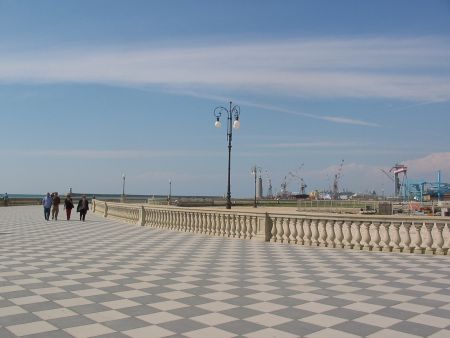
pixel 91 89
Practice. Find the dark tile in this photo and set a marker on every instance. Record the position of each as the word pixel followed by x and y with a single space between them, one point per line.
pixel 240 327
pixel 182 325
pixel 301 329
pixel 125 324
pixel 415 328
pixel 356 328
pixel 66 322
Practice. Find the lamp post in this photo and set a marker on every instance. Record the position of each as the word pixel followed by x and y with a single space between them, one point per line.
pixel 255 173
pixel 123 187
pixel 170 192
pixel 233 111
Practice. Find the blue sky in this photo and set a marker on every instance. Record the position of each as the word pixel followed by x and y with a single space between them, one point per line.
pixel 91 89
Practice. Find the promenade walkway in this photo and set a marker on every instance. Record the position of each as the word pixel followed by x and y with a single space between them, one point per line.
pixel 104 278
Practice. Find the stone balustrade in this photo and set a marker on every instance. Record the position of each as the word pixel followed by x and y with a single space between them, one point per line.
pixel 406 234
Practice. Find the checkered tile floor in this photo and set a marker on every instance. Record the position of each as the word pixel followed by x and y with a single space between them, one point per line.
pixel 104 278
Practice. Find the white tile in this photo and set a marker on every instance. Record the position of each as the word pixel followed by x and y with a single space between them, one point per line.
pixel 209 332
pixel 429 320
pixel 268 319
pixel 386 333
pixel 106 316
pixel 55 313
pixel 87 331
pixel 213 319
pixel 323 320
pixel 73 302
pixel 152 331
pixel 31 328
pixel 315 307
pixel 270 332
pixel 159 317
pixel 377 320
pixel 327 333
pixel 11 310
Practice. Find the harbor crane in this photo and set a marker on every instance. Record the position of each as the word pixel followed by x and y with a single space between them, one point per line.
pixel 337 177
pixel 269 182
pixel 296 176
pixel 398 169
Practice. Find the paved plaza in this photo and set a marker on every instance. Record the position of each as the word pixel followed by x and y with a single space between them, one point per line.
pixel 105 278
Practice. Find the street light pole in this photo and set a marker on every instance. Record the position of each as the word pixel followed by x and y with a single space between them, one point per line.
pixel 233 111
pixel 170 192
pixel 123 187
pixel 255 172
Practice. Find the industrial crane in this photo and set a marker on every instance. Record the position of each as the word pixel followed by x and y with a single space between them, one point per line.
pixel 296 175
pixel 269 182
pixel 337 177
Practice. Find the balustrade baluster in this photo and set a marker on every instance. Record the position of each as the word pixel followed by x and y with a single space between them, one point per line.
pixel 347 233
pixel 339 235
pixel 228 225
pixel 322 233
pixel 286 230
pixel 292 225
pixel 395 239
pixel 365 227
pixel 274 230
pixel 429 240
pixel 222 225
pixel 439 242
pixel 407 238
pixel 237 221
pixel 315 232
pixel 280 231
pixel 329 228
pixel 375 236
pixel 418 243
pixel 307 231
pixel 357 238
pixel 385 238
pixel 244 227
pixel 254 223
pixel 298 232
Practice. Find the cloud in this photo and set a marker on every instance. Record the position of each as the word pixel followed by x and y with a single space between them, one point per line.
pixel 409 69
pixel 106 154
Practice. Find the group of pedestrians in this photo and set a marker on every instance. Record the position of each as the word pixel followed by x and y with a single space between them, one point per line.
pixel 52 201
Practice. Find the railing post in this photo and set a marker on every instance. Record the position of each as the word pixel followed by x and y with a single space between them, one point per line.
pixel 385 242
pixel 141 216
pixel 358 237
pixel 429 240
pixel 418 244
pixel 105 213
pixel 396 237
pixel 407 238
pixel 440 239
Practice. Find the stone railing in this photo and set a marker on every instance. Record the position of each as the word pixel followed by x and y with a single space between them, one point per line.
pixel 429 235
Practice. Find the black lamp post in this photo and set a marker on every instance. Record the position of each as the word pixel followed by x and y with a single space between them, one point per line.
pixel 170 192
pixel 255 172
pixel 233 111
pixel 123 187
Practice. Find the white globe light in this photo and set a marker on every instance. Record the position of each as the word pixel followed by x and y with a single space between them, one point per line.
pixel 236 124
pixel 217 124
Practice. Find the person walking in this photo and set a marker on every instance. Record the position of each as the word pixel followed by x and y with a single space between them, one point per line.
pixel 47 203
pixel 55 209
pixel 68 205
pixel 83 207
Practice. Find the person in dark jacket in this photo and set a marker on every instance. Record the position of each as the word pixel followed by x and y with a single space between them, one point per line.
pixel 55 208
pixel 68 205
pixel 83 207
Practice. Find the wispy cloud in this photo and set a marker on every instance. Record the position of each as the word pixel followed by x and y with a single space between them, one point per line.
pixel 411 69
pixel 106 154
